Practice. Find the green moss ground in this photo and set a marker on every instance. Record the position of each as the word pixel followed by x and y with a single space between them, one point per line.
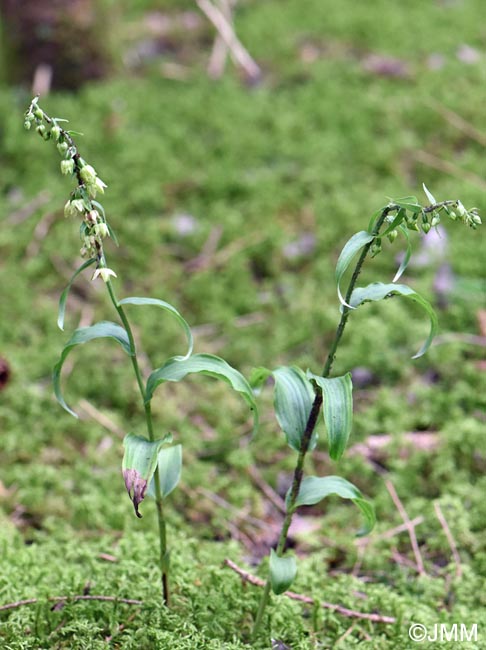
pixel 315 148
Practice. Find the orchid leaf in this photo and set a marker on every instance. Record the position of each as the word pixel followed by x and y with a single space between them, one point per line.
pixel 103 329
pixel 168 307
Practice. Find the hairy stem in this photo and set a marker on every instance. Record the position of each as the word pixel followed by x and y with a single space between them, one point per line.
pixel 163 561
pixel 313 417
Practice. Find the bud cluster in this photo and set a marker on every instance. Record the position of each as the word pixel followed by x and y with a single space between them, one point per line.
pixel 81 203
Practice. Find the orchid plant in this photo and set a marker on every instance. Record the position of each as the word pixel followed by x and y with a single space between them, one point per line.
pixel 299 396
pixel 152 465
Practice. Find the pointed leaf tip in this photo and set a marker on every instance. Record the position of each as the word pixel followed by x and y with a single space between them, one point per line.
pixel 429 195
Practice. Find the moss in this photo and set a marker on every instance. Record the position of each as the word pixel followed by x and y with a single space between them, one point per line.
pixel 314 149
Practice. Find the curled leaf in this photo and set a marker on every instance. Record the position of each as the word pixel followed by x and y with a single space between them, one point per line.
pixel 65 293
pixel 103 329
pixel 167 307
pixel 352 246
pixel 176 368
pixel 378 291
pixel 407 255
pixel 314 488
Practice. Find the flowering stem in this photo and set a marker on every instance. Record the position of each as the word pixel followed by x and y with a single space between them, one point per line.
pixel 94 229
pixel 164 564
pixel 312 420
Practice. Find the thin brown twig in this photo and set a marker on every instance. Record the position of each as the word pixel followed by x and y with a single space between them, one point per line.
pixel 391 532
pixel 40 233
pixel 350 613
pixel 410 527
pixel 458 122
pixel 219 53
pixel 267 490
pixel 447 167
pixel 345 635
pixel 450 538
pixel 91 411
pixel 239 54
pixel 57 599
pixel 30 208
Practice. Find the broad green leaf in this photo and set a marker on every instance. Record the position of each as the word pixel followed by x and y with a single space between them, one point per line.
pixel 169 467
pixel 379 291
pixel 104 329
pixel 407 255
pixel 138 466
pixel 353 245
pixel 168 307
pixel 177 368
pixel 65 293
pixel 293 398
pixel 314 488
pixel 282 572
pixel 409 203
pixel 429 195
pixel 338 410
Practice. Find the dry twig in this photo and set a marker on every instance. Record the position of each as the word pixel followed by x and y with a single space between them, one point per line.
pixel 450 538
pixel 238 53
pixel 267 490
pixel 59 599
pixel 28 210
pixel 459 122
pixel 217 60
pixel 350 613
pixel 408 523
pixel 447 167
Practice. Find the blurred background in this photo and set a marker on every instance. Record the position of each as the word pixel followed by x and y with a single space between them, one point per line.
pixel 243 142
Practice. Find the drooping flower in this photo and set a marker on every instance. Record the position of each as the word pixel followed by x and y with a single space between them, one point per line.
pixel 104 273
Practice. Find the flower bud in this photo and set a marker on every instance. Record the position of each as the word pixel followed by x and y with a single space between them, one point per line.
pixel 476 218
pixel 74 208
pixel 392 235
pixel 56 132
pixel 88 174
pixel 100 186
pixel 27 124
pixel 67 166
pixel 461 210
pixel 41 129
pixel 92 216
pixel 39 113
pixel 426 226
pixel 376 247
pixel 101 229
pixel 62 147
